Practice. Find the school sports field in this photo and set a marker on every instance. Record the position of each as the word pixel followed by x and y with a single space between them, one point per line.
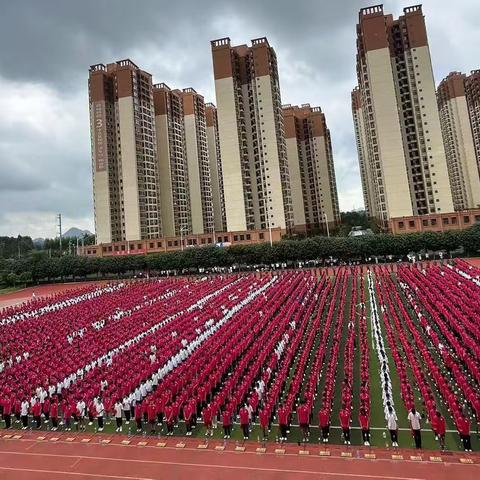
pixel 355 338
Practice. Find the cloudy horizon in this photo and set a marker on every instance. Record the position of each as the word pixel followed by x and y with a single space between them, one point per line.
pixel 49 45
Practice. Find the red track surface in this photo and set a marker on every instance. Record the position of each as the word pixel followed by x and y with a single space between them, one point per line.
pixel 33 459
pixel 474 261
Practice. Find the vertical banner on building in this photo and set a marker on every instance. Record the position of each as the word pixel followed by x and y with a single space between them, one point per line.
pixel 100 140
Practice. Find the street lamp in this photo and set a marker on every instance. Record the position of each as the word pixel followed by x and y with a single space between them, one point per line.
pixel 326 223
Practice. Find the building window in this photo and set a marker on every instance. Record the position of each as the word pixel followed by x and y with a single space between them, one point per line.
pixel 139 246
pixel 159 244
pixel 466 219
pixel 433 221
pixel 445 221
pixel 235 238
pixel 401 225
pixel 477 218
pixel 454 220
pixel 169 243
pixel 249 237
pixel 411 223
pixel 152 245
pixel 261 236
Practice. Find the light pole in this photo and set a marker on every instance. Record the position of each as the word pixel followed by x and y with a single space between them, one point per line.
pixel 326 224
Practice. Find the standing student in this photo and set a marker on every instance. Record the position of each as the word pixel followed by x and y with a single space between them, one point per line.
pixel 207 420
pixel 227 423
pixel 264 417
pixel 54 413
pixel 392 426
pixel 169 419
pixel 118 409
pixel 187 415
pixel 244 421
pixel 24 413
pixel 414 420
pixel 365 426
pixel 67 416
pixel 138 416
pixel 439 428
pixel 303 419
pixel 463 426
pixel 37 414
pixel 81 410
pixel 324 423
pixel 152 415
pixel 126 409
pixel 345 424
pixel 100 412
pixel 283 422
pixel 7 412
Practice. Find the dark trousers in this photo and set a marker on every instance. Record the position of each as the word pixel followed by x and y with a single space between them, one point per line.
pixel 100 422
pixel 393 436
pixel 8 420
pixel 246 432
pixel 38 421
pixel 417 436
pixel 152 425
pixel 24 420
pixel 159 418
pixel 139 423
pixel 467 444
pixel 325 431
pixel 366 435
pixel 127 415
pixel 169 427
pixel 283 431
pixel 119 422
pixel 188 424
pixel 346 434
pixel 68 423
pixel 227 429
pixel 54 422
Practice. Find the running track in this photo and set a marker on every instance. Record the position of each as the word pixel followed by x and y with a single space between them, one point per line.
pixel 53 457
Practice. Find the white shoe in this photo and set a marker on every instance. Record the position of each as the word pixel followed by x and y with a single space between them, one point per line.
pixel 100 429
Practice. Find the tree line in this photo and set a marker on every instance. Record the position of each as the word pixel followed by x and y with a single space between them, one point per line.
pixel 40 267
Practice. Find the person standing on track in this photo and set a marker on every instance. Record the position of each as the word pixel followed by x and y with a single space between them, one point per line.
pixel 439 428
pixel 463 426
pixel 392 426
pixel 24 413
pixel 414 420
pixel 244 421
pixel 118 410
pixel 345 424
pixel 283 422
pixel 81 410
pixel 324 423
pixel 37 414
pixel 365 426
pixel 303 415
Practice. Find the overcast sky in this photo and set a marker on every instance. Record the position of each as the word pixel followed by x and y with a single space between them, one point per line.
pixel 48 46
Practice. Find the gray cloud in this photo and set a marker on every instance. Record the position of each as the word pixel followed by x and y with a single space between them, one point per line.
pixel 44 126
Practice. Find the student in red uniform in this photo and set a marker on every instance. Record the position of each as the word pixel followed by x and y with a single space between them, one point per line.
pixel 345 424
pixel 67 415
pixel 324 423
pixel 227 422
pixel 244 421
pixel 37 414
pixel 463 426
pixel 169 418
pixel 439 427
pixel 365 426
pixel 152 415
pixel 207 420
pixel 54 414
pixel 46 409
pixel 187 415
pixel 264 417
pixel 7 412
pixel 138 415
pixel 303 419
pixel 283 422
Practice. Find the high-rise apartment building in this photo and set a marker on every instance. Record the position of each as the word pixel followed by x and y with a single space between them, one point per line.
pixel 458 141
pixel 201 201
pixel 312 174
pixel 252 140
pixel 399 135
pixel 124 164
pixel 472 93
pixel 172 161
pixel 215 160
pixel 361 142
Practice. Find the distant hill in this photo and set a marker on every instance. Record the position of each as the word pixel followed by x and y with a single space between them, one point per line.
pixel 76 233
pixel 38 242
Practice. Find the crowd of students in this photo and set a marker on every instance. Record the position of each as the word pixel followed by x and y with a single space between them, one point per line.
pixel 244 349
